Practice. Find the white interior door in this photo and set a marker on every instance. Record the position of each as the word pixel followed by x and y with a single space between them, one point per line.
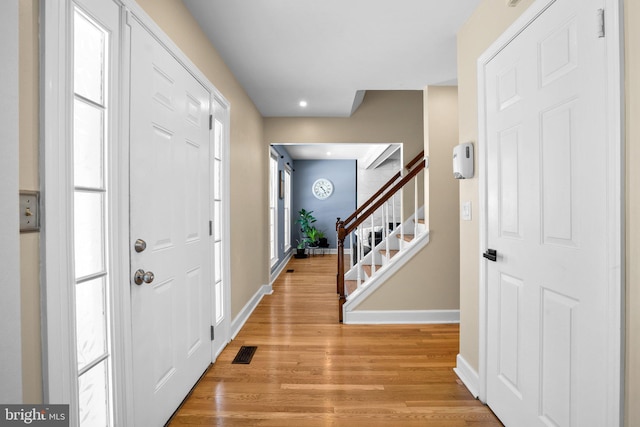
pixel 169 202
pixel 547 214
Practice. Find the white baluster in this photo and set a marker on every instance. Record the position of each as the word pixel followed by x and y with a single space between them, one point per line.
pixel 415 209
pixel 372 244
pixel 351 254
pixel 358 256
pixel 386 232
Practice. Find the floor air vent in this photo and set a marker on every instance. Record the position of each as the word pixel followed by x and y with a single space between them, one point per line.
pixel 245 354
pixel 290 271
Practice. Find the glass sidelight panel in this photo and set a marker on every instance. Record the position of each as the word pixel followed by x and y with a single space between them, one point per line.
pixel 91 324
pixel 217 223
pixel 89 58
pixel 93 396
pixel 89 233
pixel 88 147
pixel 90 124
pixel 219 302
pixel 217 261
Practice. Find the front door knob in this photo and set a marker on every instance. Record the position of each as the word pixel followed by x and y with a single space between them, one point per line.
pixel 141 276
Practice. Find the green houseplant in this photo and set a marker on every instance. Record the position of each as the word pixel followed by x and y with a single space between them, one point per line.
pixel 300 248
pixel 314 236
pixel 309 234
pixel 306 220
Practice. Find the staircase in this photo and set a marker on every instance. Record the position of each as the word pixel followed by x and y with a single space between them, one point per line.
pixel 398 244
pixel 378 239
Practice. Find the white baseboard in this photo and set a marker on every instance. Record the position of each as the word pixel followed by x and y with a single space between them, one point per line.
pixel 382 317
pixel 467 375
pixel 246 311
pixel 332 251
pixel 281 266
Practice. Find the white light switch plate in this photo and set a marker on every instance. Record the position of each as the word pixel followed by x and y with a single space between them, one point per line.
pixel 466 211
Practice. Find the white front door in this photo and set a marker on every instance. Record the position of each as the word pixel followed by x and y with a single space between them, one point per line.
pixel 169 202
pixel 546 215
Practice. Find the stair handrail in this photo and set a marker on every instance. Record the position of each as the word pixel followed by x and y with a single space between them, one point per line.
pixel 371 209
pixel 382 189
pixel 344 230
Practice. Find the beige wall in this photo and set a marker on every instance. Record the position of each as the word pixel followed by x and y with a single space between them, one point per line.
pixel 383 117
pixel 28 165
pixel 430 280
pixel 249 186
pixel 395 116
pixel 489 20
pixel 632 94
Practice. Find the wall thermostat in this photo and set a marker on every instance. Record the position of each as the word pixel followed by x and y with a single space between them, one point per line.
pixel 463 161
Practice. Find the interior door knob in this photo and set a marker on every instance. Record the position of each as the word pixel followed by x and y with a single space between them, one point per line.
pixel 141 276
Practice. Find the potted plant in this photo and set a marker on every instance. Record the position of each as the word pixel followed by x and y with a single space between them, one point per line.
pixel 316 237
pixel 300 248
pixel 313 234
pixel 322 240
pixel 305 219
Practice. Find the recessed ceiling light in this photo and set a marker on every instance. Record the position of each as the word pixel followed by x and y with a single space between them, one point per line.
pixel 328 153
pixel 303 103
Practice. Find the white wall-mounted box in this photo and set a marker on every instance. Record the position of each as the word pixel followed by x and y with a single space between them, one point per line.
pixel 463 161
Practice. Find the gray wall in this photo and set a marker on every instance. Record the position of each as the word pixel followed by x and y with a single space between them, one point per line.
pixel 342 173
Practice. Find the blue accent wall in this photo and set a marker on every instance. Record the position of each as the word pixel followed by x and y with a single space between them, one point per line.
pixel 343 174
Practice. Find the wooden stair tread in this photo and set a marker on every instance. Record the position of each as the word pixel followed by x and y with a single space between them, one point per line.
pixel 367 268
pixel 392 252
pixel 407 237
pixel 420 221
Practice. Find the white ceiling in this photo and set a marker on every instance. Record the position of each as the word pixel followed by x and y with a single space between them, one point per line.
pixel 364 153
pixel 325 51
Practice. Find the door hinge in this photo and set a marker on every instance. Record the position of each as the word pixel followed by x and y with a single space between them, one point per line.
pixel 600 20
pixel 210 228
pixel 210 121
pixel 212 332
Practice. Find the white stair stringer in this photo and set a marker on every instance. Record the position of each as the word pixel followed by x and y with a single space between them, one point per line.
pixel 387 266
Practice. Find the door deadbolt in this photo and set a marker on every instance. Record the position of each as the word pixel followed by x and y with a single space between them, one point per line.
pixel 141 276
pixel 140 245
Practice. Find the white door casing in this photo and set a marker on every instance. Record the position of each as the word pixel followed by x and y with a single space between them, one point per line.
pixel 169 203
pixel 552 212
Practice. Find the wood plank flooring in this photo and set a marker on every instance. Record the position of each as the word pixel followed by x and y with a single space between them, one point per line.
pixel 309 370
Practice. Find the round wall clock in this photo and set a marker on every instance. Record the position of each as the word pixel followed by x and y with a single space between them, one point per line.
pixel 322 188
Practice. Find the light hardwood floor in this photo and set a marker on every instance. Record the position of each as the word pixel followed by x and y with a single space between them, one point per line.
pixel 309 370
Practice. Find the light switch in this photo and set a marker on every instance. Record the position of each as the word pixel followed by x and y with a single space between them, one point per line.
pixel 466 211
pixel 29 211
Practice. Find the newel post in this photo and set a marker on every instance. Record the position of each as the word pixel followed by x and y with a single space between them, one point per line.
pixel 340 279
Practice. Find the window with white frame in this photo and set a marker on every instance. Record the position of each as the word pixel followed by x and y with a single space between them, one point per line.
pixel 287 208
pixel 218 254
pixel 273 207
pixel 91 116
